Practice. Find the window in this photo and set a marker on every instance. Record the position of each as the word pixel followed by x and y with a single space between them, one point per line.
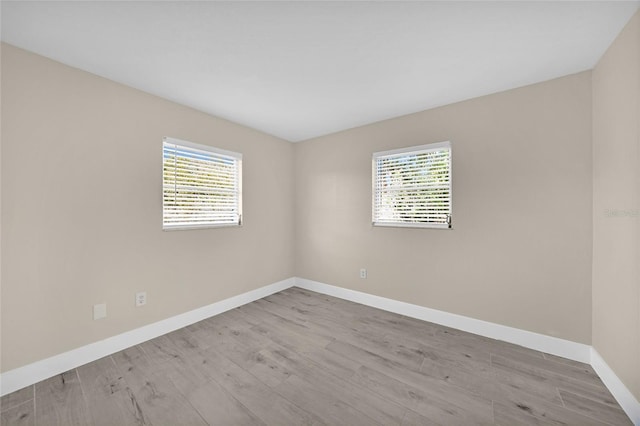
pixel 412 186
pixel 202 186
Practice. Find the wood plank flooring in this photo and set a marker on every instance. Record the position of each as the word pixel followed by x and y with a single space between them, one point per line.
pixel 302 358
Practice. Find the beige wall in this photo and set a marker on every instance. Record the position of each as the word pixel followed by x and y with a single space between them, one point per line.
pixel 616 206
pixel 520 250
pixel 82 210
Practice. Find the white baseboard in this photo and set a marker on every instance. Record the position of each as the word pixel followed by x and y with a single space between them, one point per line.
pixel 21 377
pixel 552 345
pixel 621 393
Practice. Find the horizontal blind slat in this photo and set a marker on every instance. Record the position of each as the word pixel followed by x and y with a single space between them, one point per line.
pixel 199 187
pixel 412 186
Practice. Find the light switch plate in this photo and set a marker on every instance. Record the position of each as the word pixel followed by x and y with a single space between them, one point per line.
pixel 99 311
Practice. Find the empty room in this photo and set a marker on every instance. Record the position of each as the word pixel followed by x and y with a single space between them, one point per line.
pixel 320 213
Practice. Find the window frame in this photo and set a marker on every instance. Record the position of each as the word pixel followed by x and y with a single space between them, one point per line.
pixel 236 156
pixel 418 149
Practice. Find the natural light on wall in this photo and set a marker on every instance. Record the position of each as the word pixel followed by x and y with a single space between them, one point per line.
pixel 412 186
pixel 202 186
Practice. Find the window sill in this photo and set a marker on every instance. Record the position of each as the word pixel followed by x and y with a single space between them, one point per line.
pixel 412 225
pixel 194 227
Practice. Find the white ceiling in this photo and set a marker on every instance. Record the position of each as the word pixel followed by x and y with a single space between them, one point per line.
pixel 299 70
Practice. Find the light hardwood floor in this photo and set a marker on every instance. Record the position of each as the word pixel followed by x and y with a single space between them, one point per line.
pixel 298 357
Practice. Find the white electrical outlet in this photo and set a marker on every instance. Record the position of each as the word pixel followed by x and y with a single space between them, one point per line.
pixel 141 299
pixel 363 273
pixel 99 311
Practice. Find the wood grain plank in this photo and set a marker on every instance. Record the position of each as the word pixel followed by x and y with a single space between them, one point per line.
pixel 249 350
pixel 292 325
pixel 59 401
pixel 385 346
pixel 218 407
pixel 556 377
pixel 214 404
pixel 411 418
pixel 411 331
pixel 434 407
pixel 595 393
pixel 554 369
pixel 246 349
pixel 19 415
pixel 487 381
pixel 267 405
pixel 594 409
pixel 435 387
pixel 154 396
pixel 332 362
pixel 319 311
pixel 521 413
pixel 288 338
pixel 515 382
pixel 236 318
pixel 161 349
pixel 108 397
pixel 185 341
pixel 505 415
pixel 571 362
pixel 358 397
pixel 326 406
pixel 16 398
pixel 204 332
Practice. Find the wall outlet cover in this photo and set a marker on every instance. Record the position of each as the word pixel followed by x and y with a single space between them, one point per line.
pixel 141 298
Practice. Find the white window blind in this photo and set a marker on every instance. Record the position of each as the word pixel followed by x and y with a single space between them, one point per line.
pixel 201 185
pixel 412 186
